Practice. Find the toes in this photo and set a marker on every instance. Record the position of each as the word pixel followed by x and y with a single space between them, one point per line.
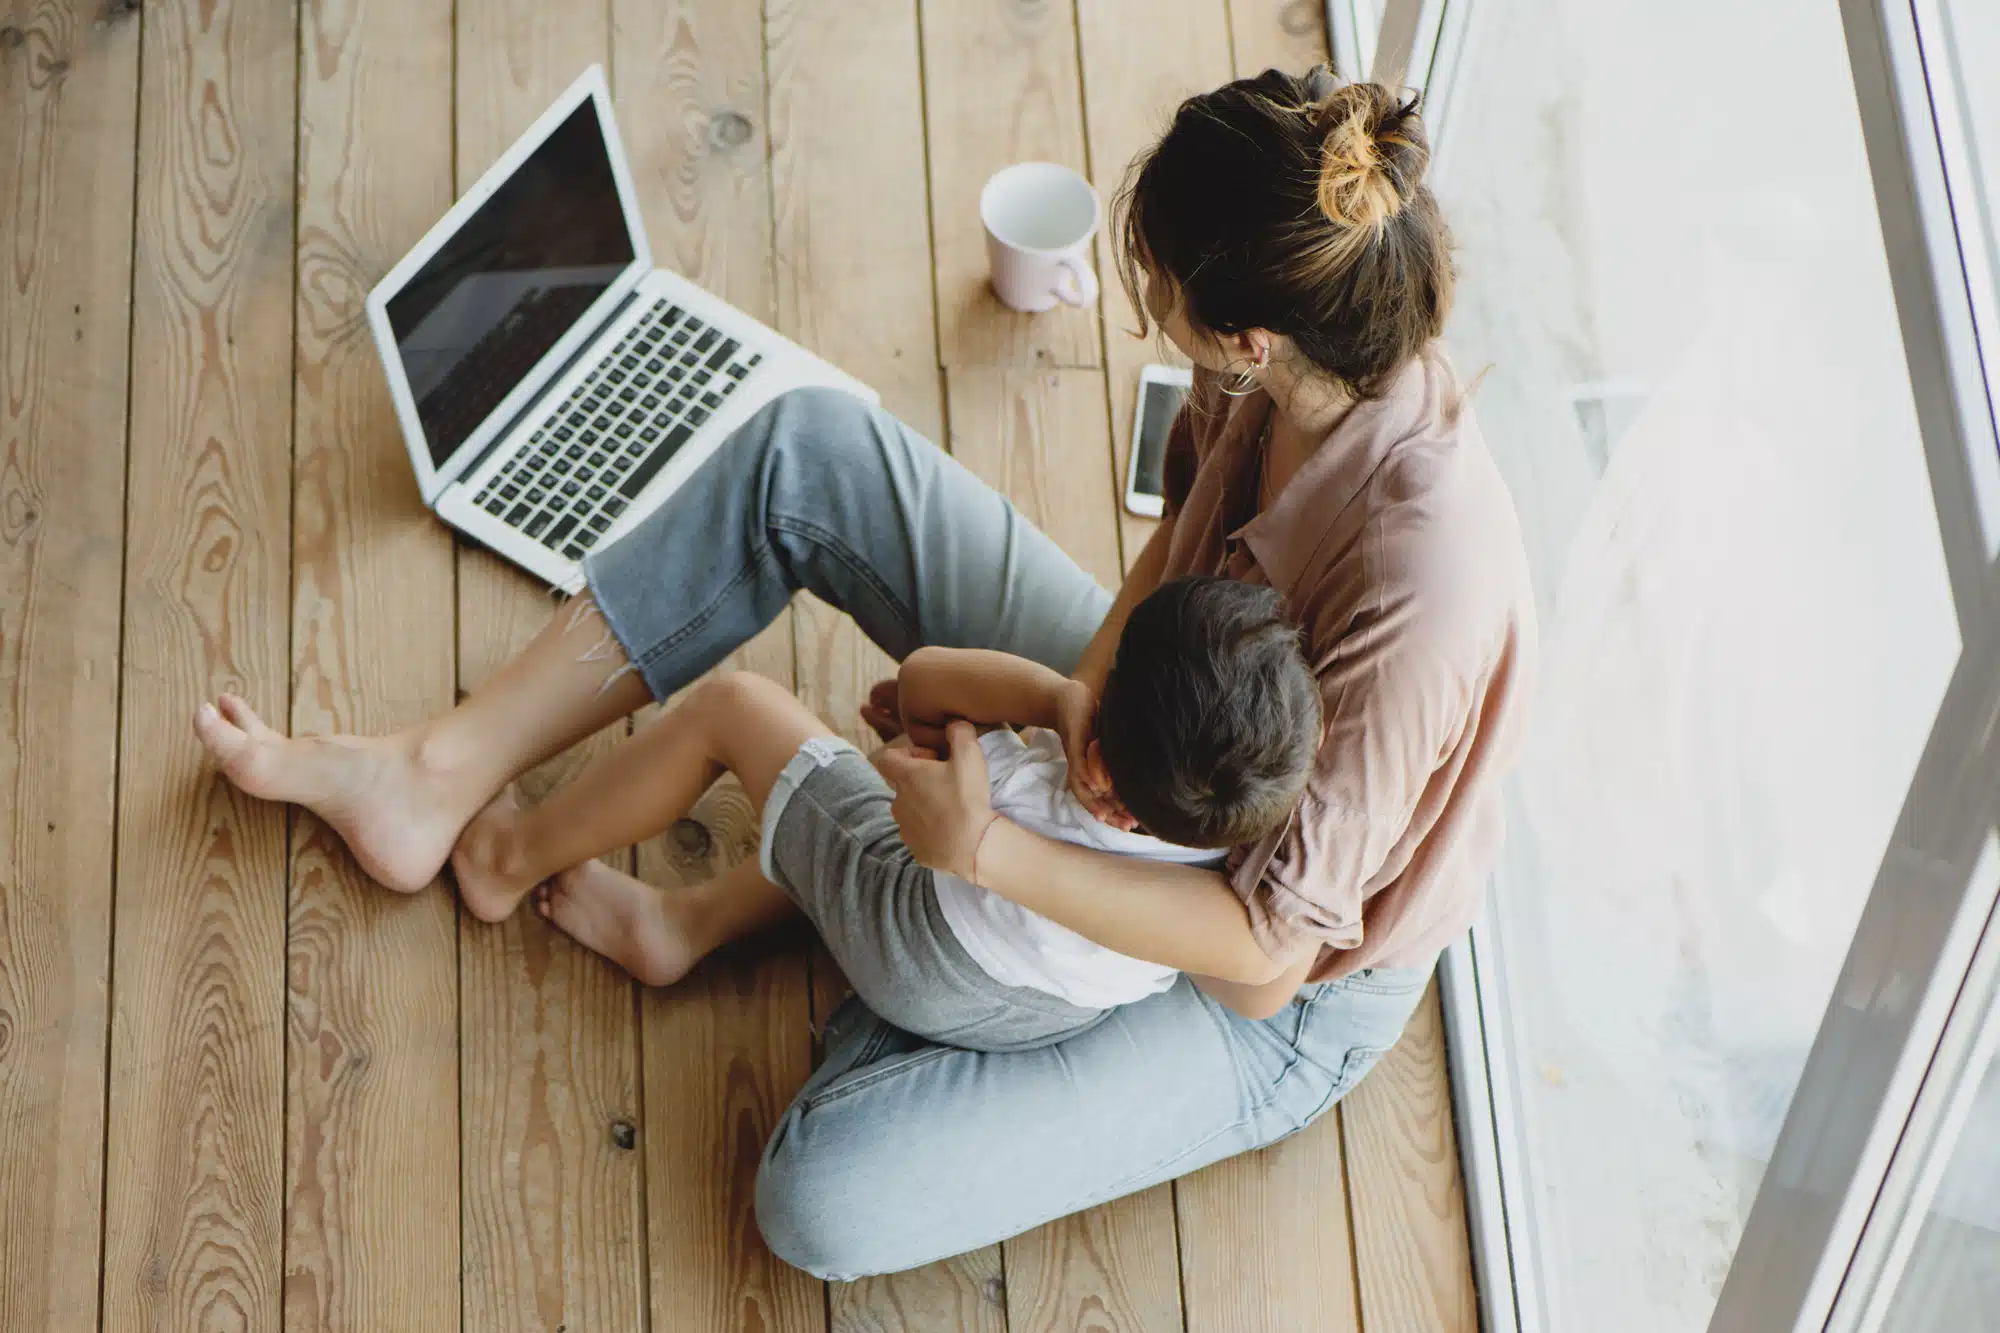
pixel 223 739
pixel 241 714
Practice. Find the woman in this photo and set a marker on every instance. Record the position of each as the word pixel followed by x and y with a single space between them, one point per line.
pixel 1282 238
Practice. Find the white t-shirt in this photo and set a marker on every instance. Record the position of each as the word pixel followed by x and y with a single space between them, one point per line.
pixel 1030 780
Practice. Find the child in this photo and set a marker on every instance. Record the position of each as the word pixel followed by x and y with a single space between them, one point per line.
pixel 1207 728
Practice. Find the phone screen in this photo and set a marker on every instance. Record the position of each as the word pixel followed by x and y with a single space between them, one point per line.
pixel 1159 404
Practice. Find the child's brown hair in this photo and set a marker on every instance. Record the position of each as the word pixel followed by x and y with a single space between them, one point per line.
pixel 1210 717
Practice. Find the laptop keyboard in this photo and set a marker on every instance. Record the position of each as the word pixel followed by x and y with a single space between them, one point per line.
pixel 585 465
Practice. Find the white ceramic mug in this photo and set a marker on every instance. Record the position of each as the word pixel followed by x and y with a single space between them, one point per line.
pixel 1039 219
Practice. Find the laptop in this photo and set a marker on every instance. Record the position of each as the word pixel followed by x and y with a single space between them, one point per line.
pixel 553 387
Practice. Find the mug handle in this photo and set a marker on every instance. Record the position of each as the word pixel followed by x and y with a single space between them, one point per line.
pixel 1076 284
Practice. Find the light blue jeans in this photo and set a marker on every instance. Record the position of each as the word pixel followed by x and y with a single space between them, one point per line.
pixel 899 1151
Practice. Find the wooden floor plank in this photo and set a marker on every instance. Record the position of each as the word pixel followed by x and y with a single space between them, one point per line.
pixel 1264 1239
pixel 1277 34
pixel 68 92
pixel 1041 439
pixel 196 1136
pixel 1001 87
pixel 966 1294
pixel 727 1047
pixel 1410 1242
pixel 372 1235
pixel 553 1192
pixel 1112 1268
pixel 1141 58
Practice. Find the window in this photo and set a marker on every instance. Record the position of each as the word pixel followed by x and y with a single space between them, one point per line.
pixel 1698 391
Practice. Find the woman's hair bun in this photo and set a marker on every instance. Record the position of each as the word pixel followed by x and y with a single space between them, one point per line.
pixel 1373 149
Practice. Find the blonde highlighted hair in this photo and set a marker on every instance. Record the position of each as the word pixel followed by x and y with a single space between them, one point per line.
pixel 1296 204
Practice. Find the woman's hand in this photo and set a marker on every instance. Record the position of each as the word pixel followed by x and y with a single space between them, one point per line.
pixel 943 806
pixel 1076 723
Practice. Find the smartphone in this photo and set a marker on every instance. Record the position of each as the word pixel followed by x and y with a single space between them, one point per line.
pixel 1162 390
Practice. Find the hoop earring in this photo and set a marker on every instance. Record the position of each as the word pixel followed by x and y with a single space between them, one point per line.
pixel 1246 381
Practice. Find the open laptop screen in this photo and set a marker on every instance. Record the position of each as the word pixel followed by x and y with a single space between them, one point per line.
pixel 511 282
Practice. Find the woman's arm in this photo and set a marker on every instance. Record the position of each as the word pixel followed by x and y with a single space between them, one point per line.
pixel 1178 916
pixel 1259 1002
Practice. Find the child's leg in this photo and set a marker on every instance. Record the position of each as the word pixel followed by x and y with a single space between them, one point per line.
pixel 735 722
pixel 658 935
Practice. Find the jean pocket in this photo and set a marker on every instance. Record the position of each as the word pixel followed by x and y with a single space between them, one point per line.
pixel 1358 1061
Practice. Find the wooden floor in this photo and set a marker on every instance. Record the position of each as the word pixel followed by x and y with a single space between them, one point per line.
pixel 241 1088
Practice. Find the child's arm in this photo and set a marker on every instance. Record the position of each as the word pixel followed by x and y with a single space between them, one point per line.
pixel 936 685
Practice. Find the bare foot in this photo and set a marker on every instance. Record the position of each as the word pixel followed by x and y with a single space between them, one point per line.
pixel 399 822
pixel 630 922
pixel 490 863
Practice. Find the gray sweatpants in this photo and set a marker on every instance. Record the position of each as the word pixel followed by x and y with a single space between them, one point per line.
pixel 830 842
pixel 899 1151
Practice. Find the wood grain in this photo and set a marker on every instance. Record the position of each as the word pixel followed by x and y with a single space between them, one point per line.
pixel 853 252
pixel 1410 1243
pixel 1040 439
pixel 688 85
pixel 1264 1239
pixel 727 1047
pixel 1141 58
pixel 1001 85
pixel 372 1209
pixel 1113 1269
pixel 553 1203
pixel 196 1134
pixel 67 105
pixel 966 1294
pixel 1277 34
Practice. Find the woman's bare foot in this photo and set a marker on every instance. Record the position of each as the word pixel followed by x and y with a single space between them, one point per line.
pixel 490 862
pixel 628 921
pixel 398 819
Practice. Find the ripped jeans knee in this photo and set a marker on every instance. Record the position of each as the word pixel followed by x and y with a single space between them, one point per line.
pixel 584 607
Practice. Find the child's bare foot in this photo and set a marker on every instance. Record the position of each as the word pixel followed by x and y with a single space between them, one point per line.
pixel 397 819
pixel 490 863
pixel 630 922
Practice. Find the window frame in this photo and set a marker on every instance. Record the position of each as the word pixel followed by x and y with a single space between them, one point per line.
pixel 1912 1021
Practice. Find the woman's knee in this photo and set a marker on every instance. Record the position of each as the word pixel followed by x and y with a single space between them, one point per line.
pixel 811 1220
pixel 814 424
